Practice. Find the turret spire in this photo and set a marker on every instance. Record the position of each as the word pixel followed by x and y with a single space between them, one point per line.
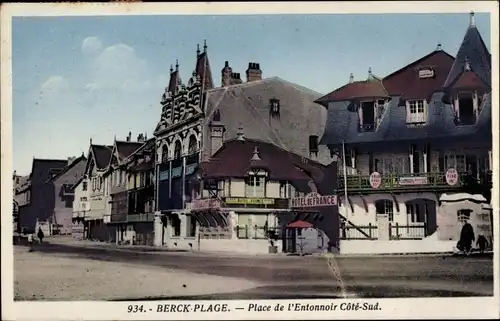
pixel 472 19
pixel 205 45
pixel 256 156
pixel 176 64
pixel 197 50
pixel 171 69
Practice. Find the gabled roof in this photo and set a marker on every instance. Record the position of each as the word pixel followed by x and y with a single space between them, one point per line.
pixel 234 159
pixel 68 167
pixel 468 79
pixel 41 168
pixel 99 155
pixel 407 83
pixel 247 105
pixel 125 149
pixel 370 88
pixel 473 50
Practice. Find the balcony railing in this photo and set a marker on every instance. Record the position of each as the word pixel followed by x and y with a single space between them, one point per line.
pixel 147 217
pixel 400 182
pixel 118 218
pixel 416 231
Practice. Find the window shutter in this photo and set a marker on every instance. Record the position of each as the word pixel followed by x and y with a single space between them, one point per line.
pixel 408 114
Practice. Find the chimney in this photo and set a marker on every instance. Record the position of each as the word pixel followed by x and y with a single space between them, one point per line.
pixel 236 78
pixel 129 136
pixel 226 75
pixel 14 174
pixel 253 72
pixel 140 138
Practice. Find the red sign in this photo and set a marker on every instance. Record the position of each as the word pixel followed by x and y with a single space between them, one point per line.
pixel 451 176
pixel 205 203
pixel 313 200
pixel 375 180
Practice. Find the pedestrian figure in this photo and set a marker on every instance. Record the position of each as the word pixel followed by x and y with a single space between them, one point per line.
pixel 30 241
pixel 482 243
pixel 40 235
pixel 466 237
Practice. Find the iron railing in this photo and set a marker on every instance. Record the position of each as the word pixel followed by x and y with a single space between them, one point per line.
pixel 394 181
pixel 415 231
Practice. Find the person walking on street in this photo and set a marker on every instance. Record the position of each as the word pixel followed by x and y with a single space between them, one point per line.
pixel 482 243
pixel 467 237
pixel 40 235
pixel 30 241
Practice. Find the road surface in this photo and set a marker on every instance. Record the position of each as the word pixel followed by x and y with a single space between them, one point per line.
pixel 286 277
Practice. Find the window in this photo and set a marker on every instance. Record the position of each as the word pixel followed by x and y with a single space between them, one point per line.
pixel 385 207
pixel 466 114
pixel 416 112
pixel 274 107
pixel 119 178
pixel 283 189
pixel 456 161
pixel 367 116
pixel 192 145
pixel 255 186
pixel 176 225
pixel 164 154
pixel 191 226
pixel 463 215
pixel 313 145
pixel 177 150
pixel 68 201
pixel 84 185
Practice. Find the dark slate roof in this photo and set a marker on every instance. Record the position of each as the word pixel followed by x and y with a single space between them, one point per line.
pixel 125 149
pixel 204 72
pixel 407 84
pixel 102 154
pixel 234 159
pixel 343 121
pixel 247 105
pixel 40 170
pixel 68 167
pixel 372 88
pixel 473 50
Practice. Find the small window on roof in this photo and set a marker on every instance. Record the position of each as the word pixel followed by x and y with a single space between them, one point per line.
pixel 274 107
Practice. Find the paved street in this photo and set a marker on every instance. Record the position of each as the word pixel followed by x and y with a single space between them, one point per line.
pixel 300 277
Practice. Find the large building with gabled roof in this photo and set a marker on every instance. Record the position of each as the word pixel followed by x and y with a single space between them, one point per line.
pixel 410 137
pixel 197 118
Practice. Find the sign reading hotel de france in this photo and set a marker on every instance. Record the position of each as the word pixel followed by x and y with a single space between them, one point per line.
pixel 313 200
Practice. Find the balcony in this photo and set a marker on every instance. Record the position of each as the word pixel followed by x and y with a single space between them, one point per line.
pixel 118 218
pixel 137 218
pixel 401 182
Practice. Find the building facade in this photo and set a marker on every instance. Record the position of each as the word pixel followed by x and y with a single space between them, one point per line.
pixel 409 137
pixel 198 118
pixel 64 194
pixel 35 198
pixel 81 206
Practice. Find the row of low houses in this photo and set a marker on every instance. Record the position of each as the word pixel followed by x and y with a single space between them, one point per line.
pixel 224 162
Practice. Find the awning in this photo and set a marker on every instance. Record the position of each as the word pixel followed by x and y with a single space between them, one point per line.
pixel 300 224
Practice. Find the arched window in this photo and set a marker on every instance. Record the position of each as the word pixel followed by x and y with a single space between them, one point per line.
pixel 385 207
pixel 177 150
pixel 192 145
pixel 164 154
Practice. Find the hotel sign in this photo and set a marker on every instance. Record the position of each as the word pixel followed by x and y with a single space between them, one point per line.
pixel 313 200
pixel 409 181
pixel 249 201
pixel 205 203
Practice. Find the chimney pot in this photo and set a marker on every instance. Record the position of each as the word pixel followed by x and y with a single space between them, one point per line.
pixel 226 63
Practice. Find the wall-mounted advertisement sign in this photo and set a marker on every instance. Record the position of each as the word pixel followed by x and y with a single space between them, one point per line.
pixel 249 201
pixel 375 180
pixel 313 200
pixel 410 181
pixel 426 73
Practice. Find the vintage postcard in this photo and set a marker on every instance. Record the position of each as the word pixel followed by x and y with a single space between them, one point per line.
pixel 208 161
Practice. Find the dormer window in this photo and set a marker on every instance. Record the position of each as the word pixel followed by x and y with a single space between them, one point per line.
pixel 416 112
pixel 367 118
pixel 274 107
pixel 255 183
pixel 466 108
pixel 313 145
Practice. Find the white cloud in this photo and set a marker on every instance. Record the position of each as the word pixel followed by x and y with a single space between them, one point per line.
pixel 55 83
pixel 91 46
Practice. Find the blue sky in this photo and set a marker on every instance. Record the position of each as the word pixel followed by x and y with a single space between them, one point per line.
pixel 80 77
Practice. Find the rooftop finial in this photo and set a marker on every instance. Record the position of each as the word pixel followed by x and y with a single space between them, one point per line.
pixel 240 135
pixel 351 78
pixel 370 75
pixel 90 140
pixel 256 156
pixel 176 64
pixel 467 64
pixel 472 19
pixel 171 68
pixel 197 50
pixel 439 47
pixel 205 45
